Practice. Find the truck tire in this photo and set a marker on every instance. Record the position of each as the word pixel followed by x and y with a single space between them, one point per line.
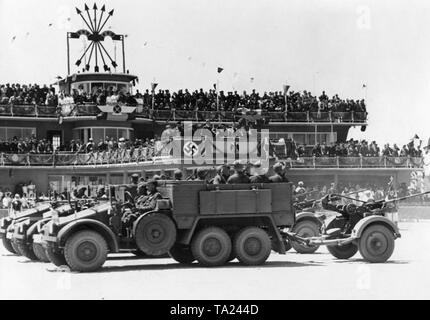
pixel 306 228
pixel 343 252
pixel 211 247
pixel 252 246
pixel 376 244
pixel 155 234
pixel 85 251
pixel 26 251
pixel 15 247
pixel 8 245
pixel 40 252
pixel 56 258
pixel 182 254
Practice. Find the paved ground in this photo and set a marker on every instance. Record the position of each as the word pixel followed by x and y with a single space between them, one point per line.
pixel 315 276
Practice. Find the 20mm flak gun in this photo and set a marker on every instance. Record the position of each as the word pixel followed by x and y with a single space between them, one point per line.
pixel 309 222
pixel 362 227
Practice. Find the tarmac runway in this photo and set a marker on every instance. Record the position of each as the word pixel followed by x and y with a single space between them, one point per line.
pixel 292 276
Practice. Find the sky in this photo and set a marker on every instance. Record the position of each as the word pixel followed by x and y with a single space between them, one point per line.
pixel 313 45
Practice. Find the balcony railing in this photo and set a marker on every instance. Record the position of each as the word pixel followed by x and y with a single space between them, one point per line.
pixel 89 109
pixel 140 155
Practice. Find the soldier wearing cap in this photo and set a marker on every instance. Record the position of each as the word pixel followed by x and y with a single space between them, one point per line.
pixel 239 175
pixel 222 175
pixel 279 175
pixel 258 176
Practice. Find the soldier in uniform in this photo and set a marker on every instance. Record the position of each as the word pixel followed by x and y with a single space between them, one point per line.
pixel 150 201
pixel 143 204
pixel 239 175
pixel 279 175
pixel 177 175
pixel 132 187
pixel 258 177
pixel 201 174
pixel 222 175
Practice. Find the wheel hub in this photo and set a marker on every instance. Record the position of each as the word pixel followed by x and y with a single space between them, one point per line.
pixel 212 247
pixel 87 251
pixel 252 246
pixel 377 243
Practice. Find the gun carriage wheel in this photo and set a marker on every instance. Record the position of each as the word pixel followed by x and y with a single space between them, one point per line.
pixel 306 228
pixel 376 244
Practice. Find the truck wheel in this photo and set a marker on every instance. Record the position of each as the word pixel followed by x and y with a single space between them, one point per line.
pixel 55 257
pixel 40 252
pixel 85 251
pixel 306 228
pixel 8 245
pixel 155 234
pixel 343 252
pixel 211 247
pixel 182 254
pixel 15 247
pixel 26 251
pixel 252 246
pixel 376 244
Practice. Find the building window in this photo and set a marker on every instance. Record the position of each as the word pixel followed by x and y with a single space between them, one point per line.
pixel 98 133
pixel 7 133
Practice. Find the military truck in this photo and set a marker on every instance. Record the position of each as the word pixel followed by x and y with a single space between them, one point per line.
pixel 8 224
pixel 212 224
pixel 26 228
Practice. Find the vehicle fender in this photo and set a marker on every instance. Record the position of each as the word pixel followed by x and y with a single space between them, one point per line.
pixel 367 221
pixel 33 228
pixel 95 225
pixel 305 215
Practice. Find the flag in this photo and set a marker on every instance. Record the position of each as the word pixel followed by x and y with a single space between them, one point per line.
pixel 153 86
pixel 364 85
pixel 220 70
pixel 215 86
pixel 415 137
pixel 286 88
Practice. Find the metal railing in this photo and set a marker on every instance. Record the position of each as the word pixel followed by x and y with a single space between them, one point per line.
pixel 150 154
pixel 90 109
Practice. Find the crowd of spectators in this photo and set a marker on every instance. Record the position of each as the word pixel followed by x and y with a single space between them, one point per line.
pixel 18 94
pixel 354 148
pixel 197 100
pixel 32 145
pixel 365 191
pixel 268 101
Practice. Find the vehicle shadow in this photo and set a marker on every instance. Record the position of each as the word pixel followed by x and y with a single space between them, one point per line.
pixel 231 265
pixel 364 261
